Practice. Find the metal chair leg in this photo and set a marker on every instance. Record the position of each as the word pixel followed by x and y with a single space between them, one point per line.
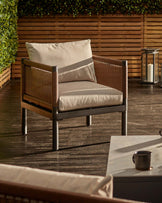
pixel 124 123
pixel 24 121
pixel 89 120
pixel 55 135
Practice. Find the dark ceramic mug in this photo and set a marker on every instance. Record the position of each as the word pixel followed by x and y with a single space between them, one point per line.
pixel 142 160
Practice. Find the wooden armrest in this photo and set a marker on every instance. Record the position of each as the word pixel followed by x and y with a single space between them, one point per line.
pixel 107 60
pixel 14 192
pixel 113 73
pixel 33 64
pixel 40 83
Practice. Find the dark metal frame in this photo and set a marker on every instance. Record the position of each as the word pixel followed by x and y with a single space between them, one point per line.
pixel 33 104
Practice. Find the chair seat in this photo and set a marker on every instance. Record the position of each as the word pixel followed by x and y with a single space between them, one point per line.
pixel 86 94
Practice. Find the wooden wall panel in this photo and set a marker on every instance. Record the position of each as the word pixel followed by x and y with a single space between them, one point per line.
pixel 153 33
pixel 114 36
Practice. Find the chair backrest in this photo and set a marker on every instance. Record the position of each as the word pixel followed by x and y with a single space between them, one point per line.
pixel 73 59
pixel 16 193
pixel 24 184
pixel 50 185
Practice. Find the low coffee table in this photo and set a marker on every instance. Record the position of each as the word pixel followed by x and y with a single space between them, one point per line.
pixel 130 183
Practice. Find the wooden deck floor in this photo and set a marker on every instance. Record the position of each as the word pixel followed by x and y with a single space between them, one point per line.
pixel 83 149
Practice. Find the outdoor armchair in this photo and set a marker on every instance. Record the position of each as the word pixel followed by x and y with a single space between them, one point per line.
pixel 64 80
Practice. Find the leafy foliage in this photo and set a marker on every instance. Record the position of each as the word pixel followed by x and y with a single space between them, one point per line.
pixel 8 32
pixel 86 7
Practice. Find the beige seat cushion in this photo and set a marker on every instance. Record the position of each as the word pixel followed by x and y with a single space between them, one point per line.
pixel 85 94
pixel 74 59
pixel 86 184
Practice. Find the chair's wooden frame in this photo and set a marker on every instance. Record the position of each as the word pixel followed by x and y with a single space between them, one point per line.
pixel 17 192
pixel 113 73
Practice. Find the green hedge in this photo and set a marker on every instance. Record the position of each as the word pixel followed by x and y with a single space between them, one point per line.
pixel 86 7
pixel 8 32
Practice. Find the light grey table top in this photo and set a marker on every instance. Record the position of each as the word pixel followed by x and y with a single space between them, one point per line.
pixel 122 149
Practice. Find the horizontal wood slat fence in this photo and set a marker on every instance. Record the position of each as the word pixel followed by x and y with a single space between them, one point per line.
pixel 153 33
pixel 114 36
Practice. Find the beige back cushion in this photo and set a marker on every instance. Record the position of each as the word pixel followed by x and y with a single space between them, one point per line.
pixel 74 59
pixel 86 184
